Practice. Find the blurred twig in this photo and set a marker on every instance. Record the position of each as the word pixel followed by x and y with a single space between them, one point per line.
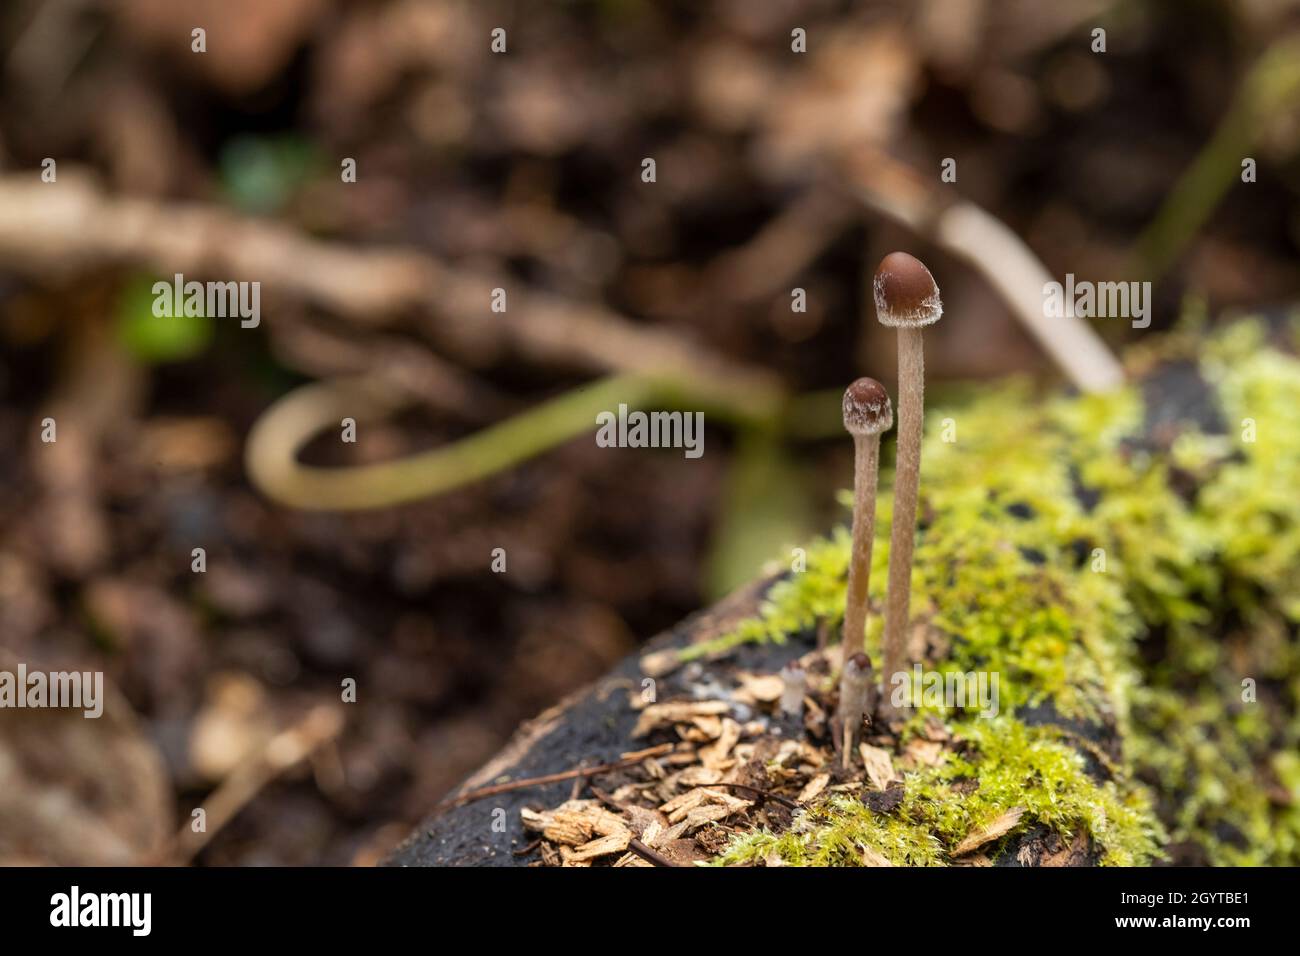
pixel 72 225
pixel 283 751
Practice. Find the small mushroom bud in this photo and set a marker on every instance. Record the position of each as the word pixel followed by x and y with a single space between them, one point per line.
pixel 794 684
pixel 906 299
pixel 854 685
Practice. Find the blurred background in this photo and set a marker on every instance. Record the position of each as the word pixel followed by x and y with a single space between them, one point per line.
pixel 523 170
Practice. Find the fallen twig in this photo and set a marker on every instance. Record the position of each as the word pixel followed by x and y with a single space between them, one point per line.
pixel 74 225
pixel 283 751
pixel 652 856
pixel 763 794
pixel 524 783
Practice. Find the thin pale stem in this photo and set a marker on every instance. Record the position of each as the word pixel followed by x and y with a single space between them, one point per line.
pixel 866 471
pixel 911 416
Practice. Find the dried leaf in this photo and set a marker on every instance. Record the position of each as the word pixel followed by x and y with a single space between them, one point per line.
pixel 661 663
pixel 676 712
pixel 814 787
pixel 604 846
pixel 925 753
pixel 991 831
pixel 715 755
pixel 759 688
pixel 872 857
pixel 879 765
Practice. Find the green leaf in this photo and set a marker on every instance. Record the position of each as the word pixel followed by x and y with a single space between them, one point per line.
pixel 153 339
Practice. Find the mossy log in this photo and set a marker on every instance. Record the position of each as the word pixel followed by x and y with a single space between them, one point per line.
pixel 1129 564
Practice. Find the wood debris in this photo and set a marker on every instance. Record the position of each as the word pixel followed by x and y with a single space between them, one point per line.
pixel 879 766
pixel 924 753
pixel 872 857
pixel 717 776
pixel 813 788
pixel 1000 826
pixel 758 689
pixel 666 714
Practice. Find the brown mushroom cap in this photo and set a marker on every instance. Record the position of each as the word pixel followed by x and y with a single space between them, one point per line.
pixel 867 410
pixel 861 662
pixel 905 292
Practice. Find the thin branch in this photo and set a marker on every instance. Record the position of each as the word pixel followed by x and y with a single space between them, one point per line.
pixel 652 856
pixel 526 782
pixel 763 794
pixel 282 752
pixel 74 225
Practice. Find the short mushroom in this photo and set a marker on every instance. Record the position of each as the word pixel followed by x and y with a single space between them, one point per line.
pixel 906 299
pixel 867 413
pixel 794 684
pixel 855 686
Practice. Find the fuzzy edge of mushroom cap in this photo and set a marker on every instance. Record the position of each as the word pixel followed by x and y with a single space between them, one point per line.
pixel 867 415
pixel 925 309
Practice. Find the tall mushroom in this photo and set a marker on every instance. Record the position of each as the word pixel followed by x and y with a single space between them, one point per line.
pixel 867 413
pixel 906 299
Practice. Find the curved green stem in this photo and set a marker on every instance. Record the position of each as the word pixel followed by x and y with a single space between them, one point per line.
pixel 275 441
pixel 271 456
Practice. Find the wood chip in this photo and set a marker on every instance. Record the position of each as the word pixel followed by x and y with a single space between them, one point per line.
pixel 568 829
pixel 710 725
pixel 680 807
pixel 642 821
pixel 698 776
pixel 660 663
pixel 604 846
pixel 676 712
pixel 683 802
pixel 872 857
pixel 651 834
pixel 879 765
pixel 925 753
pixel 657 751
pixel 991 831
pixel 574 823
pixel 759 688
pixel 716 754
pixel 709 814
pixel 813 788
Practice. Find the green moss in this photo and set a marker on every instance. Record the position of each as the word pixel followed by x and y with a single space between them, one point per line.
pixel 1016 766
pixel 1129 585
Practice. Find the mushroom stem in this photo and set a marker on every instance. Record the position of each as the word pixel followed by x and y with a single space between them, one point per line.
pixel 902 537
pixel 866 470
pixel 854 686
pixel 794 684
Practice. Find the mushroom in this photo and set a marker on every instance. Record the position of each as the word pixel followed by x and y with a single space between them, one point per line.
pixel 906 299
pixel 854 686
pixel 794 684
pixel 867 413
